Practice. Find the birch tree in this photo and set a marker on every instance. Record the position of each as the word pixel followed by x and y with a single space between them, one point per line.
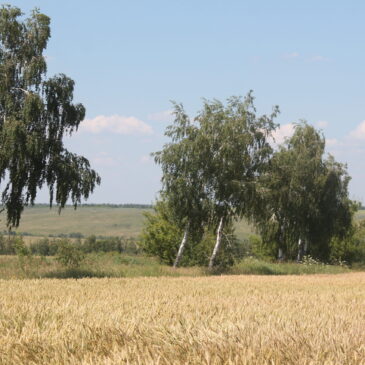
pixel 234 145
pixel 36 112
pixel 307 194
pixel 183 186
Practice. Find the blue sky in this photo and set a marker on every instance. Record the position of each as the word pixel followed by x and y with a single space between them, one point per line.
pixel 130 58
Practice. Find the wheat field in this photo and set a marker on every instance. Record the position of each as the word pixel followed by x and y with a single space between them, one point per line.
pixel 203 320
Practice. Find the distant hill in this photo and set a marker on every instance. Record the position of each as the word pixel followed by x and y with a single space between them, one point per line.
pixel 96 219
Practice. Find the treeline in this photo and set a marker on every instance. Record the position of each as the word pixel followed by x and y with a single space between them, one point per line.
pixel 50 247
pixel 222 166
pixel 103 205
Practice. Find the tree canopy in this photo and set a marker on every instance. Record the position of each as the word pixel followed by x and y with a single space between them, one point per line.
pixel 305 195
pixel 36 112
pixel 211 164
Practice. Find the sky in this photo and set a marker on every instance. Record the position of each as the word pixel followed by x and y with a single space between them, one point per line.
pixel 130 59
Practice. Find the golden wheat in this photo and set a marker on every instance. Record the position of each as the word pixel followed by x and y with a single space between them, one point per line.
pixel 207 320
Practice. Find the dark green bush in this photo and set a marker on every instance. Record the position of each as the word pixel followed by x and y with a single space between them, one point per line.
pixel 351 249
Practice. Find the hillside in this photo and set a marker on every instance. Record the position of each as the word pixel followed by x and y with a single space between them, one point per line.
pixel 100 220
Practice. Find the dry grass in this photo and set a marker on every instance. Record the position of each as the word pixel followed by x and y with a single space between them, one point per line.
pixel 206 320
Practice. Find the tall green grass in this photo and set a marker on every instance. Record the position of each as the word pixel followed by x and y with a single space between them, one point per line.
pixel 117 265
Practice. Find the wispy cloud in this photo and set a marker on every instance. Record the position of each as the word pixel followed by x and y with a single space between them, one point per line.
pixel 284 131
pixel 318 58
pixel 163 116
pixel 322 124
pixel 301 57
pixel 104 159
pixel 291 55
pixel 358 134
pixel 332 142
pixel 118 124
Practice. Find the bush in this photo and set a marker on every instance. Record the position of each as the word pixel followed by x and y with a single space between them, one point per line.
pixel 44 247
pixel 351 249
pixel 69 255
pixel 112 244
pixel 7 245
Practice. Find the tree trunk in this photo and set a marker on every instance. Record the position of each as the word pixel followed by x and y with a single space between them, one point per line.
pixel 182 246
pixel 217 244
pixel 306 248
pixel 281 243
pixel 280 254
pixel 300 250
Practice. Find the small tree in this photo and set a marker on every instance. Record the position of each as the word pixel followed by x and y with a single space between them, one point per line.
pixel 35 114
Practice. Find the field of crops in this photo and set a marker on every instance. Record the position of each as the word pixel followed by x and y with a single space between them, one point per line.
pixel 204 320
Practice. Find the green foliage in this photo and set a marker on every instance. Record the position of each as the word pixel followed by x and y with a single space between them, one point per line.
pixel 35 114
pixel 259 248
pixel 7 245
pixel 211 164
pixel 351 248
pixel 44 247
pixel 161 237
pixel 234 148
pixel 69 255
pixel 112 244
pixel 304 196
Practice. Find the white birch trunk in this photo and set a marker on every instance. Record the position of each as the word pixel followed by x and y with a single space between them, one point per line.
pixel 280 254
pixel 217 244
pixel 300 250
pixel 182 246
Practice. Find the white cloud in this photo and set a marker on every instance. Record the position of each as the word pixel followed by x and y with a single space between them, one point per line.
pixel 163 116
pixel 318 58
pixel 285 130
pixel 359 132
pixel 291 55
pixel 115 124
pixel 322 124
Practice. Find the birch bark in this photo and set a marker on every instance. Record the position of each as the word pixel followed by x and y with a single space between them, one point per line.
pixel 217 244
pixel 182 246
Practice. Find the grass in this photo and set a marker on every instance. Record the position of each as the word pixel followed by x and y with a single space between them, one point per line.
pixel 95 265
pixel 251 266
pixel 116 265
pixel 205 320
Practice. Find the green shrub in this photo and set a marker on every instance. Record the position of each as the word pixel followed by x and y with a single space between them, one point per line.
pixel 44 247
pixel 7 245
pixel 351 249
pixel 69 255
